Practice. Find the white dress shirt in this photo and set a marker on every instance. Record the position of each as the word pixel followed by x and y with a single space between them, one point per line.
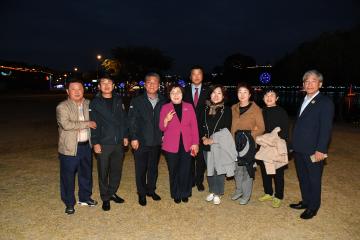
pixel 193 90
pixel 306 101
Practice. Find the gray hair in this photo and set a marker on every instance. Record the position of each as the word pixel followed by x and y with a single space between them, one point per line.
pixel 152 74
pixel 315 73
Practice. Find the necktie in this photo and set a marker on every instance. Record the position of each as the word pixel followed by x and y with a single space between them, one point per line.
pixel 196 96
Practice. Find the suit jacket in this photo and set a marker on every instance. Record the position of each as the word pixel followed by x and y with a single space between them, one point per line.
pixel 200 107
pixel 187 127
pixel 144 120
pixel 312 129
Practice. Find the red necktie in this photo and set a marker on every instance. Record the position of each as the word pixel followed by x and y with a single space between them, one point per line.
pixel 196 96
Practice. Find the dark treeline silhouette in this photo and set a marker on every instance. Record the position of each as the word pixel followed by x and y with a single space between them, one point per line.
pixel 136 61
pixel 335 54
pixel 238 68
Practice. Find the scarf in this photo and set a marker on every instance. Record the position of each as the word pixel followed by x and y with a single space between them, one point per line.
pixel 214 107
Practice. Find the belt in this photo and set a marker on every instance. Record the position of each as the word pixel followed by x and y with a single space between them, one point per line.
pixel 83 143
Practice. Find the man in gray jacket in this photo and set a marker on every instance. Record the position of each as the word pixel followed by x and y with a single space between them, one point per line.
pixel 74 148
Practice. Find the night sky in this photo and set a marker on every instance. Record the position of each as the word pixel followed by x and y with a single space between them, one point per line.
pixel 64 34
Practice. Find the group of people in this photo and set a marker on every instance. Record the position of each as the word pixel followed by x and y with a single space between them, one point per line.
pixel 197 133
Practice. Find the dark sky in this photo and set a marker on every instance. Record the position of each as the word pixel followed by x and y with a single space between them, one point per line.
pixel 63 34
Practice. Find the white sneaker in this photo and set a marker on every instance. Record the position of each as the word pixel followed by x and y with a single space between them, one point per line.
pixel 210 197
pixel 217 200
pixel 243 201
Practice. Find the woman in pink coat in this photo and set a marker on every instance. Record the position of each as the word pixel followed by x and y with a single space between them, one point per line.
pixel 180 141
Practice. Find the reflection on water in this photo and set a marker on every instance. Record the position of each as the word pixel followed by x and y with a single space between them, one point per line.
pixel 347 108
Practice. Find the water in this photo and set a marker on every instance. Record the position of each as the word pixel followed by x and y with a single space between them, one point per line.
pixel 347 108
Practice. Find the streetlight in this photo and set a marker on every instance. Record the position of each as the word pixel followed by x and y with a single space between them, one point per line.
pixel 98 57
pixel 75 69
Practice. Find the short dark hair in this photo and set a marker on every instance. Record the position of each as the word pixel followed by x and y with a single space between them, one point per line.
pixel 267 90
pixel 197 67
pixel 172 86
pixel 244 85
pixel 152 74
pixel 73 80
pixel 222 88
pixel 105 75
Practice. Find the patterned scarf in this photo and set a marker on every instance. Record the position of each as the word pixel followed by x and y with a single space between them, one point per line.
pixel 214 107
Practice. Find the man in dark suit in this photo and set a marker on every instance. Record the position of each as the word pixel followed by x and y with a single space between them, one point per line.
pixel 311 136
pixel 196 94
pixel 145 135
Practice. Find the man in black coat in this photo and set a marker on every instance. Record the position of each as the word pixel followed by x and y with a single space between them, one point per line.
pixel 145 135
pixel 196 94
pixel 108 139
pixel 311 136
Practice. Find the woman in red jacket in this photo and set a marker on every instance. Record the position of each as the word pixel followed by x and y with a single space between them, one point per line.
pixel 180 141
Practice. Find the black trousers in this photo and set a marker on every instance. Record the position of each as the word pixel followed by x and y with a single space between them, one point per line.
pixel 110 163
pixel 146 168
pixel 179 166
pixel 309 175
pixel 198 167
pixel 278 181
pixel 69 166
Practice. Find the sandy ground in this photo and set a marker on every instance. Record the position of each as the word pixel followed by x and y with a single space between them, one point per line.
pixel 30 206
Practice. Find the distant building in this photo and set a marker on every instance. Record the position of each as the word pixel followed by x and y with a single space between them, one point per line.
pixel 14 77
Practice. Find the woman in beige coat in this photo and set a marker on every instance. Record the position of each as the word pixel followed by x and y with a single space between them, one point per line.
pixel 246 115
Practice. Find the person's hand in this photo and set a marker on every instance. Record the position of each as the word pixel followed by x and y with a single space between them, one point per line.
pixel 319 156
pixel 169 117
pixel 92 124
pixel 97 148
pixel 126 142
pixel 194 149
pixel 135 144
pixel 207 141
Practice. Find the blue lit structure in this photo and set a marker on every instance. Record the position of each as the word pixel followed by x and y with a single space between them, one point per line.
pixel 265 78
pixel 182 83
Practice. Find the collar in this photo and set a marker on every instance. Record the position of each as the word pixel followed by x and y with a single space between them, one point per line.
pixel 157 97
pixel 82 102
pixel 311 98
pixel 198 87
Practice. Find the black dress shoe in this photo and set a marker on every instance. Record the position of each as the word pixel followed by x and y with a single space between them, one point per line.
pixel 117 199
pixel 185 199
pixel 90 203
pixel 308 214
pixel 177 200
pixel 154 196
pixel 69 210
pixel 142 200
pixel 298 205
pixel 106 205
pixel 200 187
